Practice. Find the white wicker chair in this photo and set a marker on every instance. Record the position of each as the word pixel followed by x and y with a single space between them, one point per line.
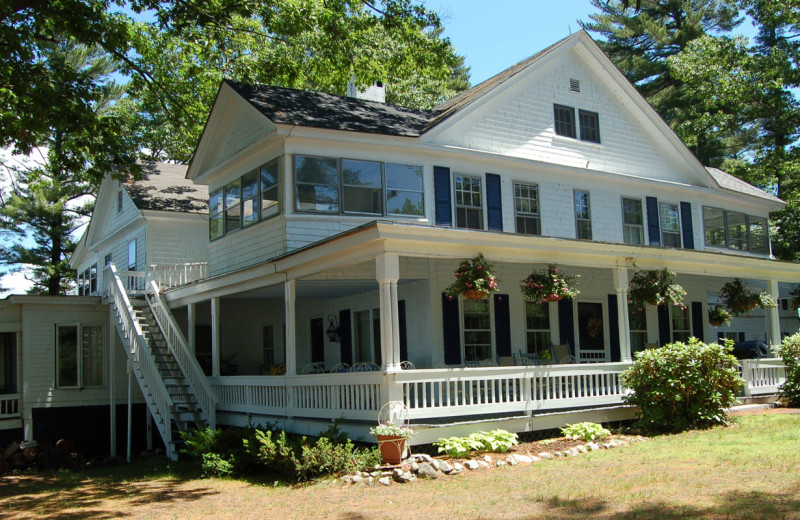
pixel 407 365
pixel 340 368
pixel 312 368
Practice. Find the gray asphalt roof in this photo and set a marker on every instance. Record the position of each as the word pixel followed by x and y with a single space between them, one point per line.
pixel 732 183
pixel 164 187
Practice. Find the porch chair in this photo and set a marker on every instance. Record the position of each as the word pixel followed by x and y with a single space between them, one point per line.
pixel 340 368
pixel 562 355
pixel 366 366
pixel 407 365
pixel 312 368
pixel 526 359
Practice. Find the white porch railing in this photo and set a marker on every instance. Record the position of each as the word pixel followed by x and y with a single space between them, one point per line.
pixel 179 347
pixel 144 367
pixel 134 283
pixel 173 275
pixel 328 396
pixel 450 392
pixel 762 376
pixel 9 406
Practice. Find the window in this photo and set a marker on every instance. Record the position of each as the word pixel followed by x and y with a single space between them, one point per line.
pixel 132 255
pixel 526 206
pixel 670 225
pixel 317 181
pixel 477 330
pixel 469 205
pixel 233 205
pixel 250 202
pixel 637 319
pixel 93 279
pixel 735 230
pixel 79 356
pixel 632 222
pixel 362 187
pixel 215 224
pixel 681 328
pixel 367 336
pixel 268 345
pixel 107 261
pixel 537 327
pixel 590 126
pixel 583 218
pixel 120 199
pixel 404 190
pixel 269 190
pixel 8 362
pixel 564 120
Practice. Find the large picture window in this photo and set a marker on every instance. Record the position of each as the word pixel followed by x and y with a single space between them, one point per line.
pixel 79 355
pixel 735 230
pixel 362 187
pixel 526 208
pixel 632 222
pixel 469 202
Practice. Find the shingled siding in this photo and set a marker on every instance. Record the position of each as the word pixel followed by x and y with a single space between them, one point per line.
pixel 247 247
pixel 177 242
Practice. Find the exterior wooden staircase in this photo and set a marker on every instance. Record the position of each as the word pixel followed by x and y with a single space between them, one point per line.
pixel 175 389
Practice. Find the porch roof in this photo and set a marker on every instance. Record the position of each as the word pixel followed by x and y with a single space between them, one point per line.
pixel 367 242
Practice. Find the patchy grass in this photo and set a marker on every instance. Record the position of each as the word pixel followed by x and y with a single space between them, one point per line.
pixel 748 470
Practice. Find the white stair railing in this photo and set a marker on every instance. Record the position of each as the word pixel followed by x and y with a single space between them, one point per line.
pixel 144 366
pixel 177 344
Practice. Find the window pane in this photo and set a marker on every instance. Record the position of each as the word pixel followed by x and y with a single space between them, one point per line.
pixel 714 223
pixel 233 193
pixel 132 255
pixel 316 170
pixel 215 227
pixel 67 345
pixel 362 200
pixel 737 230
pixel 477 330
pixel 92 356
pixel 269 190
pixel 537 315
pixel 361 187
pixel 632 221
pixel 758 235
pixel 404 190
pixel 670 225
pixel 317 184
pixel 361 173
pixel 404 177
pixel 250 198
pixel 215 202
pixel 317 198
pixel 404 203
pixel 469 209
pixel 680 323
pixel 590 126
pixel 583 222
pixel 564 120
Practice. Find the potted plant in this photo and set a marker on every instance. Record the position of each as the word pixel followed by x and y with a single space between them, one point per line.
pixel 739 299
pixel 719 316
pixel 654 288
pixel 392 441
pixel 474 279
pixel 548 285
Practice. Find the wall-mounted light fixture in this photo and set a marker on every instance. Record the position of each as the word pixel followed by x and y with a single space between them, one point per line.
pixel 333 329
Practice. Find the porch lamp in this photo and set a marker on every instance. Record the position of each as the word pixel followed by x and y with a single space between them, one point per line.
pixel 333 329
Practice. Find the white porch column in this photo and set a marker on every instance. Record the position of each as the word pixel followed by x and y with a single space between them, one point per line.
pixel 623 324
pixel 215 336
pixel 773 315
pixel 289 289
pixel 191 319
pixel 387 272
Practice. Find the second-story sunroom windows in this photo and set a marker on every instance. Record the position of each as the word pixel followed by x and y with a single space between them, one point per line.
pixel 358 187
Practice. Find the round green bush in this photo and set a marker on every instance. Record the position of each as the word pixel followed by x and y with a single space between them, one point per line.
pixel 683 385
pixel 789 350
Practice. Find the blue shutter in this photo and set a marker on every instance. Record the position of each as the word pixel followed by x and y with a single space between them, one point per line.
pixel 401 321
pixel 494 202
pixel 346 337
pixel 664 332
pixel 613 327
pixel 442 194
pixel 653 224
pixel 502 325
pixel 686 224
pixel 697 320
pixel 451 330
pixel 566 317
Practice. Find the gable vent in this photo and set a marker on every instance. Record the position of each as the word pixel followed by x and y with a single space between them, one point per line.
pixel 574 85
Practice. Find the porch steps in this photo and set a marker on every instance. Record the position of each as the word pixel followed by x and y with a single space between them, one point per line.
pixel 185 413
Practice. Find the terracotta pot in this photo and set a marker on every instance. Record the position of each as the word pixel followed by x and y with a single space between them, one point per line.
pixel 392 448
pixel 474 294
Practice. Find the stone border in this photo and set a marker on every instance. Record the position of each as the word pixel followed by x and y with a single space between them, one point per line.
pixel 422 466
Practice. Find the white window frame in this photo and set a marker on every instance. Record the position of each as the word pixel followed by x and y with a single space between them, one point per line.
pixel 479 209
pixel 639 228
pixel 749 240
pixel 527 215
pixel 80 354
pixel 491 345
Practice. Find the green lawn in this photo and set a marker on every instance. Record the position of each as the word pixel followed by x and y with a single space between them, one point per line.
pixel 748 470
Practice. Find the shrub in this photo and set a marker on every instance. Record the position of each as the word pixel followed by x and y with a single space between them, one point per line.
pixel 585 431
pixel 789 350
pixel 499 441
pixel 683 385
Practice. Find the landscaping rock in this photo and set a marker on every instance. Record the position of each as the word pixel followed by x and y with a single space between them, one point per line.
pixel 524 459
pixel 423 457
pixel 457 466
pixel 415 466
pixel 369 481
pixel 427 471
pixel 500 463
pixel 472 465
pixel 347 479
pixel 385 481
pixel 357 479
pixel 512 460
pixel 444 467
pixel 487 459
pixel 483 464
pixel 546 456
pixel 406 477
pixel 397 473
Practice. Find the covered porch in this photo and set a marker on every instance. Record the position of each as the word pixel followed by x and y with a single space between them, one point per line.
pixel 339 328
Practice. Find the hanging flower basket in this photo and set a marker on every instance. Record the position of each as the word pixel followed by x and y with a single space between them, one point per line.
pixel 548 285
pixel 719 316
pixel 654 288
pixel 739 299
pixel 474 279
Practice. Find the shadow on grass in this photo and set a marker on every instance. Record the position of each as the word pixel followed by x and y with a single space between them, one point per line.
pixel 741 505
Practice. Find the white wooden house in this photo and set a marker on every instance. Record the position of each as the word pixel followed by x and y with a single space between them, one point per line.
pixel 334 224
